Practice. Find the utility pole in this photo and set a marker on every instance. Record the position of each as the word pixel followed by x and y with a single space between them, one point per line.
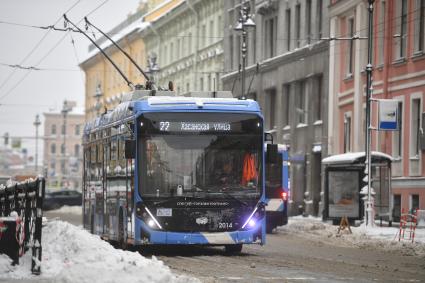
pixel 37 123
pixel 244 22
pixel 369 204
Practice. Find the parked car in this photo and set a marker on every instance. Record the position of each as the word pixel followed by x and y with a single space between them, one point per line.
pixel 56 198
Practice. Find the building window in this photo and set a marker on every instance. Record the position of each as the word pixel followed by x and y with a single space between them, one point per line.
pixel 302 102
pixel 189 39
pixel 63 129
pixel 171 52
pixel 288 29
pixel 178 49
pixel 401 28
pixel 414 202
pixel 350 63
pixel 397 135
pixel 77 130
pixel 53 166
pixel 53 148
pixel 308 21
pixel 53 130
pixel 211 33
pixel 347 132
pixel 415 128
pixel 201 84
pixel 319 96
pixel 270 37
pixel 319 18
pixel 420 26
pixel 381 32
pixel 270 108
pixel 187 87
pixel 298 25
pixel 63 166
pixel 231 61
pixel 62 148
pixel 286 100
pixel 203 35
pixel 77 150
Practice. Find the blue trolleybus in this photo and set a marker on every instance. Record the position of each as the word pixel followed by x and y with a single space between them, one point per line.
pixel 164 170
pixel 277 187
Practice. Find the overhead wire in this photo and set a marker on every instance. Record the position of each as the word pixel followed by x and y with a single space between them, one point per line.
pixel 33 50
pixel 50 50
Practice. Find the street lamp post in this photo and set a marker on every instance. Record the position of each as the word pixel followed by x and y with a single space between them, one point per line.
pixel 369 217
pixel 97 95
pixel 65 110
pixel 37 123
pixel 244 22
pixel 153 68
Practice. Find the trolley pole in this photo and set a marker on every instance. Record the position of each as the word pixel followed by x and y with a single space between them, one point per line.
pixel 37 123
pixel 369 205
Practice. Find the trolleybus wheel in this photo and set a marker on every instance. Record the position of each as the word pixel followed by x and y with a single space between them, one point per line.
pixel 122 243
pixel 233 249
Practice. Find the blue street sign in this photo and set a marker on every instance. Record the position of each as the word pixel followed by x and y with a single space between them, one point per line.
pixel 388 115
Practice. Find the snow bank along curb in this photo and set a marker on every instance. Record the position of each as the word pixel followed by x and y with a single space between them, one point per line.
pixel 71 254
pixel 382 238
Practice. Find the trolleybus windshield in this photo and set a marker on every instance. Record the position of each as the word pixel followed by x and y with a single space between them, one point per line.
pixel 200 155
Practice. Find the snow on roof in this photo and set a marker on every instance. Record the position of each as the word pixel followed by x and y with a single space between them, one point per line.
pixel 71 254
pixel 137 25
pixel 351 157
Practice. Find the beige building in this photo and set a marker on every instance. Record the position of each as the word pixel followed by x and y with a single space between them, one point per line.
pixel 188 41
pixel 186 36
pixel 62 149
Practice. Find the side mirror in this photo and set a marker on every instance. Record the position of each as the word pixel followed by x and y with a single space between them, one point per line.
pixel 268 137
pixel 130 149
pixel 272 153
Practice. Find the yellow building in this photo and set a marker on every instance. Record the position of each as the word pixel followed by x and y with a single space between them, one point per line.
pixel 104 85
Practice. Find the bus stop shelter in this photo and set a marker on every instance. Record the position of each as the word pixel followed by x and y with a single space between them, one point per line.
pixel 344 179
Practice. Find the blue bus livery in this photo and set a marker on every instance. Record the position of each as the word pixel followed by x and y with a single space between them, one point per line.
pixel 176 170
pixel 277 189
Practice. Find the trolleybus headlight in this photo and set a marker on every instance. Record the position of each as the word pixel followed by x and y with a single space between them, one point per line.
pixel 251 223
pixel 152 219
pixel 248 221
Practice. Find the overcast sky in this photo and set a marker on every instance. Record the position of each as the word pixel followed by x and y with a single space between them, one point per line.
pixel 24 93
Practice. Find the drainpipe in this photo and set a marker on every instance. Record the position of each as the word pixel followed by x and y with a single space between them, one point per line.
pixel 195 67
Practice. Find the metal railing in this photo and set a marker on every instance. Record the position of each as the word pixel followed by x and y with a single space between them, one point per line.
pixel 25 201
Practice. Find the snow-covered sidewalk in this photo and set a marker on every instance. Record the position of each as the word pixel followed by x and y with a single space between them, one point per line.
pixel 71 254
pixel 385 238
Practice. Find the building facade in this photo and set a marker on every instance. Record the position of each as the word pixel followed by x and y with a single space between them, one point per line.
pixel 63 152
pixel 398 59
pixel 188 43
pixel 104 85
pixel 287 73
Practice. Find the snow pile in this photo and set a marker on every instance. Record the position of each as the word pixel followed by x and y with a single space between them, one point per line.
pixel 71 254
pixel 385 238
pixel 69 210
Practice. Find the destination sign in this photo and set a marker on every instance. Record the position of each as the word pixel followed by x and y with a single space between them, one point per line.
pixel 187 126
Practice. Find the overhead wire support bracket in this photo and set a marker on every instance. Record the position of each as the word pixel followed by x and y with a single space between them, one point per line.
pixel 129 83
pixel 116 45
